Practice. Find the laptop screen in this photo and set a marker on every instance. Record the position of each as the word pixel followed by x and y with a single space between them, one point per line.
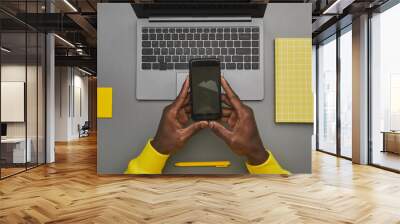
pixel 200 8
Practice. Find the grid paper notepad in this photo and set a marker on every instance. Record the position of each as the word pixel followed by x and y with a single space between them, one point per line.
pixel 293 81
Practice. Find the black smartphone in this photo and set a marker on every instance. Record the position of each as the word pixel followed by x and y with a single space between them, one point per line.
pixel 205 89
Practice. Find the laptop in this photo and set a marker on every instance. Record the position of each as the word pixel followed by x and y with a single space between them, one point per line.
pixel 172 32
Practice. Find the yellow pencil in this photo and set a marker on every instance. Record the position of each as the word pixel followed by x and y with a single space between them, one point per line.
pixel 205 163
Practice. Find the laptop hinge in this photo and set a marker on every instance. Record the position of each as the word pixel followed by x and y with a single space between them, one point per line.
pixel 199 19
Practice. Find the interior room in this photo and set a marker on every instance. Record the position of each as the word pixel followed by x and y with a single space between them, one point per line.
pixel 89 86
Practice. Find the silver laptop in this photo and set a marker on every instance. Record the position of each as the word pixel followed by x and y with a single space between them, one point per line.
pixel 172 32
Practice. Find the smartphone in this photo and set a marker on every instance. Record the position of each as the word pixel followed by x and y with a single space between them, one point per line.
pixel 205 89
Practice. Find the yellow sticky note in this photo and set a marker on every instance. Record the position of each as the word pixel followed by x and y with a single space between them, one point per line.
pixel 104 102
pixel 293 80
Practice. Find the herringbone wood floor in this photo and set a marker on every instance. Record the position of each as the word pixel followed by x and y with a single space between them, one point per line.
pixel 69 191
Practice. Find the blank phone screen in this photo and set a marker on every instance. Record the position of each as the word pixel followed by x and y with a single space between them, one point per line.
pixel 205 89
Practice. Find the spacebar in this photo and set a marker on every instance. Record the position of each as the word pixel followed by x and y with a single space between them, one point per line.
pixel 181 66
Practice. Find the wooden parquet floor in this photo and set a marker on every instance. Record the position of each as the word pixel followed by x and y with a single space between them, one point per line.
pixel 70 191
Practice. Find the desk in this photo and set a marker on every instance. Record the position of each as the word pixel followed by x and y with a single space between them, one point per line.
pixel 391 142
pixel 16 151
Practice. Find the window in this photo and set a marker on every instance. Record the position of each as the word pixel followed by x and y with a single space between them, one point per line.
pixel 385 89
pixel 327 96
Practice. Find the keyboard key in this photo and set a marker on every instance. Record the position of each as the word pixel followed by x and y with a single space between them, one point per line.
pixel 227 58
pixel 199 30
pixel 146 66
pixel 186 51
pixel 199 43
pixel 236 43
pixel 255 29
pixel 170 66
pixel 192 43
pixel 171 51
pixel 247 66
pixel 255 51
pixel 145 30
pixel 152 30
pixel 147 51
pixel 213 30
pixel 164 51
pixel 170 44
pixel 234 36
pixel 168 58
pixel 171 30
pixel 219 36
pixel 208 51
pixel 152 36
pixel 220 30
pixel 178 30
pixel 206 30
pixel 182 36
pixel 196 36
pixel 160 59
pixel 255 44
pixel 193 51
pixel 177 43
pixel 145 36
pixel 183 59
pixel 243 51
pixel 224 51
pixel 255 36
pixel 181 66
pixel 204 36
pixel 207 43
pixel 175 58
pixel 202 51
pixel 220 58
pixel 247 58
pixel 222 65
pixel 255 58
pixel 165 30
pixel 211 36
pixel 230 66
pixel 234 29
pixel 185 43
pixel 174 36
pixel 162 43
pixel 216 51
pixel 244 36
pixel 255 66
pixel 247 30
pixel 167 36
pixel 227 30
pixel 231 51
pixel 146 44
pixel 185 30
pixel 192 30
pixel 239 66
pixel 240 29
pixel 246 43
pixel 214 43
pixel 157 51
pixel 155 66
pixel 237 58
pixel 158 30
pixel 189 36
pixel 154 43
pixel 227 36
pixel 179 51
pixel 160 36
pixel 229 43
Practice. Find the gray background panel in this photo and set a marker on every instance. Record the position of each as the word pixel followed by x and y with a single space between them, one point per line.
pixel 122 137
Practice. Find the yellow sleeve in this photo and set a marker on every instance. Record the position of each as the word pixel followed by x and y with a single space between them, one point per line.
pixel 271 166
pixel 150 161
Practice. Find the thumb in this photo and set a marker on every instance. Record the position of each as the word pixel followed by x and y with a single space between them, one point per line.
pixel 193 128
pixel 221 131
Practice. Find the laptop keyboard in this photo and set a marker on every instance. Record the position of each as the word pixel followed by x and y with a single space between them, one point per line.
pixel 237 48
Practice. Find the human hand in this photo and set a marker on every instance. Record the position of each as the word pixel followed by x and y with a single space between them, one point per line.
pixel 241 133
pixel 173 129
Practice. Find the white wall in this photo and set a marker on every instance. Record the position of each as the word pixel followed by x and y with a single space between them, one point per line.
pixel 70 83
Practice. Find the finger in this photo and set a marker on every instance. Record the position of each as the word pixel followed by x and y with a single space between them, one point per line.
pixel 180 99
pixel 220 131
pixel 231 95
pixel 232 120
pixel 226 112
pixel 188 109
pixel 193 128
pixel 225 100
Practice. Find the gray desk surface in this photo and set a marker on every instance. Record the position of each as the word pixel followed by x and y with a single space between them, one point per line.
pixel 122 137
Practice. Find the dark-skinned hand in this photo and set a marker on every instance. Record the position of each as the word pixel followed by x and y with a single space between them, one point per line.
pixel 241 133
pixel 174 128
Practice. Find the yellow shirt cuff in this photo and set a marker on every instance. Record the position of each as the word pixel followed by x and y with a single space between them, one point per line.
pixel 150 161
pixel 270 166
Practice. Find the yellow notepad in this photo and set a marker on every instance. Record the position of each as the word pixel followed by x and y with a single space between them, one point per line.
pixel 293 80
pixel 104 102
pixel 206 163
